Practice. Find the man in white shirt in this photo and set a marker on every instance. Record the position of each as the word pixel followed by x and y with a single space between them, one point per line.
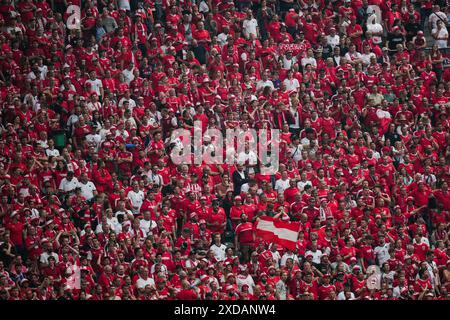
pixel 264 82
pixel 128 73
pixel 440 34
pixel 346 295
pixel 144 280
pixel 353 56
pixel 96 84
pixel 435 16
pixel 218 248
pixel 275 254
pixel 290 82
pixel 223 37
pixel 69 183
pixel 51 151
pixel 112 221
pixel 367 55
pixel 315 253
pixel 136 197
pixel 250 25
pixel 282 183
pixel 88 189
pixel 382 252
pixel 147 224
pixel 245 279
pixel 48 252
pixel 288 255
pixel 288 60
pixel 333 38
pixel 203 7
pixel 309 59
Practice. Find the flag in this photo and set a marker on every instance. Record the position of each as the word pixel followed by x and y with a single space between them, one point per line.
pixel 281 232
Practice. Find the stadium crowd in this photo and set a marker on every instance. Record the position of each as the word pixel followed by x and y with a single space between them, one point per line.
pixel 93 208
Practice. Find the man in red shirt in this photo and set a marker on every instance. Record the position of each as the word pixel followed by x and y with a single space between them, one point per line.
pixel 217 219
pixel 244 237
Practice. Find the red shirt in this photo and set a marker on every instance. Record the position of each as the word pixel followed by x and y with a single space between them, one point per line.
pixel 217 219
pixel 244 232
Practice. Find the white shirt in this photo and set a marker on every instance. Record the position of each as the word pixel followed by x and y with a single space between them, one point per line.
pixel 316 255
pixel 248 280
pixel 219 251
pixel 312 61
pixel 353 56
pixel 250 27
pixel 281 185
pixel 443 33
pixel 434 18
pixel 147 225
pixel 124 4
pixel 296 152
pixel 382 253
pixel 276 257
pixel 301 184
pixel 288 63
pixel 203 7
pixel 95 85
pixel 296 116
pixel 287 256
pixel 333 41
pixel 136 198
pixel 262 84
pixel 341 296
pixel 222 39
pixel 429 179
pixel 397 292
pixel 281 289
pixel 52 152
pixel 365 58
pixel 43 69
pixel 375 28
pixel 87 190
pixel 131 103
pixel 114 224
pixel 141 283
pixel 306 142
pixel 67 186
pixel 337 60
pixel 128 75
pixel 44 257
pixel 291 85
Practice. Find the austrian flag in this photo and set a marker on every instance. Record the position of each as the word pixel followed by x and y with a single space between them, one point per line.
pixel 281 232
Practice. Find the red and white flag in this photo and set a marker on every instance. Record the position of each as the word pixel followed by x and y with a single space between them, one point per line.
pixel 281 232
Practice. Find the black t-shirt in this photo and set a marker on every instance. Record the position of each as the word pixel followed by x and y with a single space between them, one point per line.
pixel 393 137
pixel 327 51
pixel 3 256
pixel 411 29
pixel 200 53
pixel 394 40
